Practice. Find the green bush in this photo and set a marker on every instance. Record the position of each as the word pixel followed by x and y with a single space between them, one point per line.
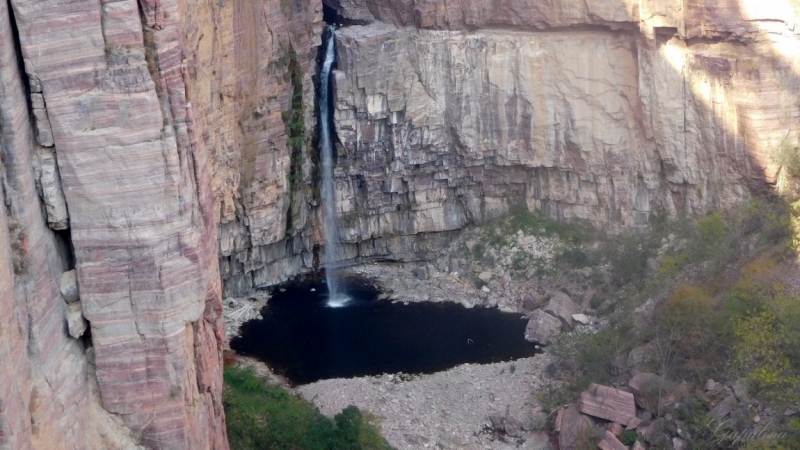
pixel 788 157
pixel 629 437
pixel 767 349
pixel 587 358
pixel 628 255
pixel 711 239
pixel 704 430
pixel 538 223
pixel 261 416
pixel 575 257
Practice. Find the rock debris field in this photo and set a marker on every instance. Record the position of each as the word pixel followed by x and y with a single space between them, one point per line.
pixel 450 409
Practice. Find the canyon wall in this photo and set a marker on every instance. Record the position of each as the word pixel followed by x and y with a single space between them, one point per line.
pixel 450 113
pixel 131 133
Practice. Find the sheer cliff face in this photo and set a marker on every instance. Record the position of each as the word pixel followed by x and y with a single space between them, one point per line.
pixel 605 110
pixel 614 111
pixel 133 128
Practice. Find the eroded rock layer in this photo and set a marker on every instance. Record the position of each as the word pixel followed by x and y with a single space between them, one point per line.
pixel 645 115
pixel 448 113
pixel 135 128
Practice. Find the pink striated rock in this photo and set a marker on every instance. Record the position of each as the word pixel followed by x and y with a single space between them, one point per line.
pixel 615 428
pixel 528 14
pixel 607 403
pixel 610 442
pixel 542 327
pixel 138 186
pixel 572 427
pixel 43 372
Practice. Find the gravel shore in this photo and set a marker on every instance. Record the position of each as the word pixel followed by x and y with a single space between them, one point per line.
pixel 445 410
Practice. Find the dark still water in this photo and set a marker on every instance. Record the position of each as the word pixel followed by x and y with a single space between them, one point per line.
pixel 304 338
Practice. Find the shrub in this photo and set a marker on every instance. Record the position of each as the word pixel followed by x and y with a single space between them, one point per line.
pixel 262 416
pixel 757 284
pixel 628 255
pixel 671 265
pixel 711 233
pixel 590 357
pixel 629 437
pixel 689 301
pixel 788 157
pixel 358 430
pixel 767 349
pixel 704 431
pixel 479 251
pixel 687 335
pixel 538 223
pixel 575 257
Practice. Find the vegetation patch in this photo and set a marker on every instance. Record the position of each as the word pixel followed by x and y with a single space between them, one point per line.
pixel 262 416
pixel 295 130
pixel 693 300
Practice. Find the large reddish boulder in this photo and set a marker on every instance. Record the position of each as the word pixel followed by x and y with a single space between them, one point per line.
pixel 607 403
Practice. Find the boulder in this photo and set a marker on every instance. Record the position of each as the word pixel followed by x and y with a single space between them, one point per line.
pixel 536 421
pixel 571 425
pixel 683 432
pixel 638 446
pixel 615 428
pixel 638 356
pixel 679 444
pixel 76 324
pixel 724 407
pixel 538 440
pixel 586 302
pixel 497 420
pixel 421 273
pixel 610 442
pixel 542 327
pixel 513 427
pixel 740 389
pixel 650 389
pixel 653 433
pixel 455 266
pixel 581 318
pixel 485 276
pixel 532 301
pixel 69 286
pixel 562 307
pixel 607 403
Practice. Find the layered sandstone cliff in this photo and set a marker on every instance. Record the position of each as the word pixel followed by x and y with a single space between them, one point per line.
pixel 614 111
pixel 134 129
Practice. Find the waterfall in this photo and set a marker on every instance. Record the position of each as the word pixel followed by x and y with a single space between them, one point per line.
pixel 335 298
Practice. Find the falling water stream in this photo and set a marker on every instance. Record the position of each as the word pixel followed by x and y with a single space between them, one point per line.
pixel 335 298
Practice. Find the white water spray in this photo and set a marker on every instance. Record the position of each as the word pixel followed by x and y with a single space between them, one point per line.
pixel 335 298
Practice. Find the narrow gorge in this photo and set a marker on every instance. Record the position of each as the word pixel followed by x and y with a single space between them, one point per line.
pixel 165 161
